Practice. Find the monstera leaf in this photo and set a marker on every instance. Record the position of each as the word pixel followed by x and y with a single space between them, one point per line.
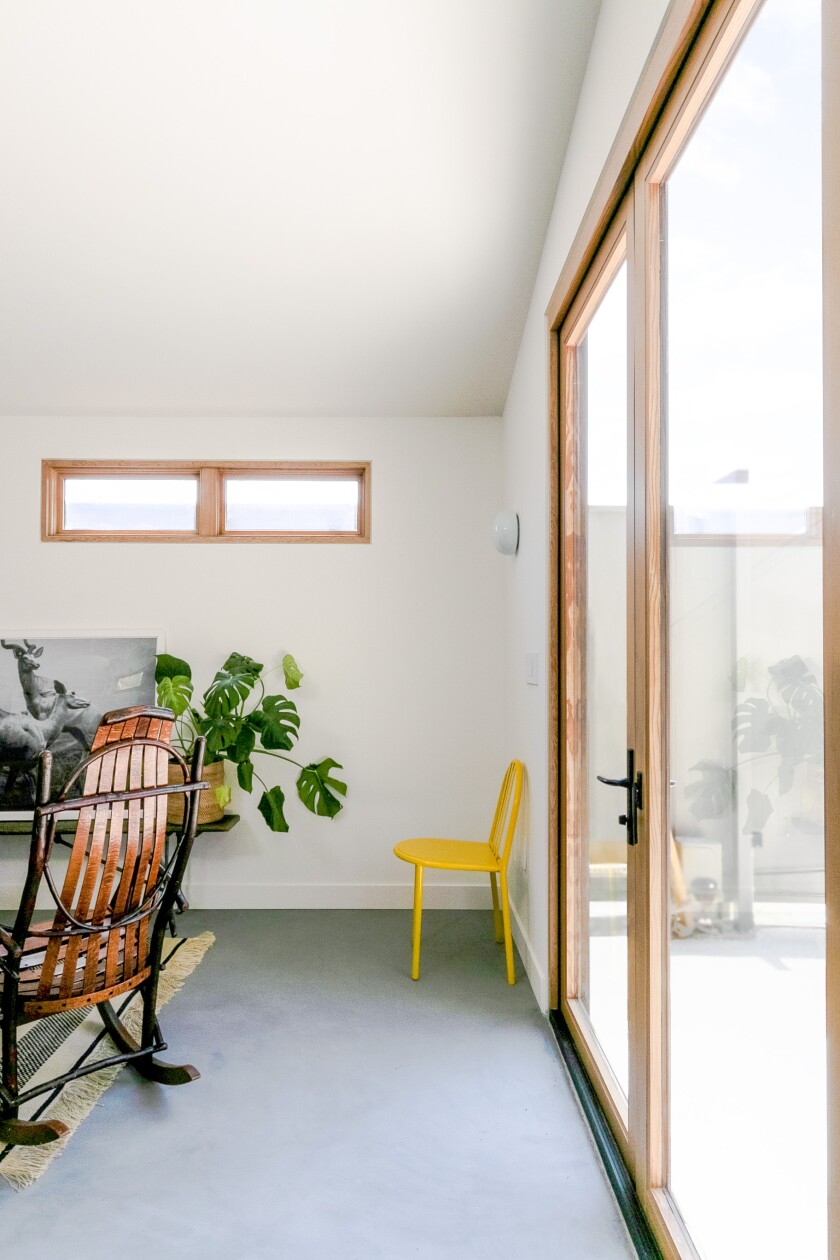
pixel 167 666
pixel 812 735
pixel 222 795
pixel 271 807
pixel 759 810
pixel 751 726
pixel 175 693
pixel 280 724
pixel 231 687
pixel 236 663
pixel 220 733
pixel 713 795
pixel 291 672
pixel 242 747
pixel 316 788
pixel 787 772
pixel 791 737
pixel 796 684
pixel 245 776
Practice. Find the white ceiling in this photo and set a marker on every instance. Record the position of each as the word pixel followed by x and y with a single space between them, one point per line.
pixel 292 207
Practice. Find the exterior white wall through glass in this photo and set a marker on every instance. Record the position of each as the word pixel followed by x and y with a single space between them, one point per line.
pixel 742 347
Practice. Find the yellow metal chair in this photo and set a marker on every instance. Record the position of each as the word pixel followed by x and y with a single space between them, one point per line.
pixel 470 855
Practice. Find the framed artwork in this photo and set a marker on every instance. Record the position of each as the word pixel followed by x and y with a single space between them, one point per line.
pixel 54 688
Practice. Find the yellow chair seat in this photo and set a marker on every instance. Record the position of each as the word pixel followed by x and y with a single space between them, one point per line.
pixel 471 855
pixel 448 855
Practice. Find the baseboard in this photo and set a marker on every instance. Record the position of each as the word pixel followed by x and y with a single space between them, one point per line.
pixel 446 895
pixel 535 973
pixel 436 896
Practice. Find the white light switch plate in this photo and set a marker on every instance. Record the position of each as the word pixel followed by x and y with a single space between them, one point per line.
pixel 532 668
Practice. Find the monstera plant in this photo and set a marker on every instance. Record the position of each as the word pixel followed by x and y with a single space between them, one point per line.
pixel 240 720
pixel 782 729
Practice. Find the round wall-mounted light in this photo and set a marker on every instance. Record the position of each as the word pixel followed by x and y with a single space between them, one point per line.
pixel 506 533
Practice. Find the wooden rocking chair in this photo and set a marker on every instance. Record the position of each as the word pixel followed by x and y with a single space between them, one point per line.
pixel 106 937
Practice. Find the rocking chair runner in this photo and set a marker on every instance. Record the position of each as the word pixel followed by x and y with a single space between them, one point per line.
pixel 116 899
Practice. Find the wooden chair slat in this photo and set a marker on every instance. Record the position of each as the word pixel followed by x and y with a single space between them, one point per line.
pixel 137 940
pixel 105 870
pixel 94 782
pixel 118 815
pixel 104 907
pixel 133 882
pixel 160 806
pixel 98 777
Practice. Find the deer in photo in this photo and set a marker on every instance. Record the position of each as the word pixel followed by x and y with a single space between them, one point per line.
pixel 23 738
pixel 39 693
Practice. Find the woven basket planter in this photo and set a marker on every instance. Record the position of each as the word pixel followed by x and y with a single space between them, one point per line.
pixel 209 809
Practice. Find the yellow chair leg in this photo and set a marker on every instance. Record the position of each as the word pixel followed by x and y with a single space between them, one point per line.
pixel 418 919
pixel 511 975
pixel 497 914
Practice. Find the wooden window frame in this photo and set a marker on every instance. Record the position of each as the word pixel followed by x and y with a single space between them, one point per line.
pixel 210 506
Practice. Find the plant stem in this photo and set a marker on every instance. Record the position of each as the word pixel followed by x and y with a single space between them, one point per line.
pixel 280 757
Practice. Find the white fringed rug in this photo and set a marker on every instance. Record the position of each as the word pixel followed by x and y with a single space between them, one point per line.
pixel 50 1047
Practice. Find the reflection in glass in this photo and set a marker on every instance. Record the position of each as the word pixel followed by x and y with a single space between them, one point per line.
pixel 743 349
pixel 130 503
pixel 602 373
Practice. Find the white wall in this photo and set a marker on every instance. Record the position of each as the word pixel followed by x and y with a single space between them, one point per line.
pixel 624 35
pixel 400 640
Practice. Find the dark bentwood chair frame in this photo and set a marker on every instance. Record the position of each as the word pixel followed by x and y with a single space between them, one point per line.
pixel 106 937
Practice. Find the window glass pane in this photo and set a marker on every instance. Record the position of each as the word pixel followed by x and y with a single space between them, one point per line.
pixel 602 373
pixel 743 348
pixel 300 505
pixel 130 503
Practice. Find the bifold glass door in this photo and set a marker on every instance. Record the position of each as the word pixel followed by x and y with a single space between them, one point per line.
pixel 693 896
pixel 598 673
pixel 741 338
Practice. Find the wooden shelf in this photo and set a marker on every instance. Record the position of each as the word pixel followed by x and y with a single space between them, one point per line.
pixel 67 826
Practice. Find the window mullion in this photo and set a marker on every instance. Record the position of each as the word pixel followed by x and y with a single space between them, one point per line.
pixel 209 516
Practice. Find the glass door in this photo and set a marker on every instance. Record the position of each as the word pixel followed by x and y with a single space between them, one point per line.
pixel 742 427
pixel 598 675
pixel 694 871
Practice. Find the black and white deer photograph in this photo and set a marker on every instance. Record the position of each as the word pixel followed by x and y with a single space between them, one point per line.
pixel 53 692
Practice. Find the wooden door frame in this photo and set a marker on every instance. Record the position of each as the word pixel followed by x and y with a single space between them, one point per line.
pixel 693 48
pixel 677 35
pixel 831 589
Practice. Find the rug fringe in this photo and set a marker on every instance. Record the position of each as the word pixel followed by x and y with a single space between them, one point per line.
pixel 25 1164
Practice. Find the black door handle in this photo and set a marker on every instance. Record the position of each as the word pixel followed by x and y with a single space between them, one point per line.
pixel 632 784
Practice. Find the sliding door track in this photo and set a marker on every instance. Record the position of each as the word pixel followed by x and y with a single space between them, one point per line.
pixel 614 1165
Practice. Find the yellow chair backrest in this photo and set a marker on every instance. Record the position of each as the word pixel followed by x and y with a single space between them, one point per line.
pixel 507 811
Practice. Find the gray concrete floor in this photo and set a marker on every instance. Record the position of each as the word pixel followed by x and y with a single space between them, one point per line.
pixel 343 1111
